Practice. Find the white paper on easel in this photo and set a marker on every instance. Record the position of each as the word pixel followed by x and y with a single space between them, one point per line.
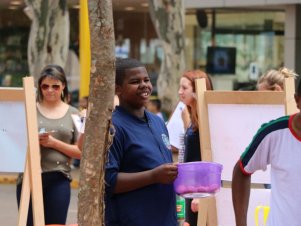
pixel 225 211
pixel 13 136
pixel 175 126
pixel 232 127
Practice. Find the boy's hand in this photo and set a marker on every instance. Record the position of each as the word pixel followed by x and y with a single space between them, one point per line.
pixel 165 173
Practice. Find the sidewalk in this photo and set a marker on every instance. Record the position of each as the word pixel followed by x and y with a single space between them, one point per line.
pixel 11 178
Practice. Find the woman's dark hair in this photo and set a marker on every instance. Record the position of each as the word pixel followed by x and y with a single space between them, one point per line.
pixel 298 87
pixel 122 64
pixel 54 72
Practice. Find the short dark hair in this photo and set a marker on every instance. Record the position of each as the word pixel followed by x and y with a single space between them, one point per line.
pixel 55 72
pixel 123 64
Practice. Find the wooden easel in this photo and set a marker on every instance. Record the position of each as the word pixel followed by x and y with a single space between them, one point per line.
pixel 207 207
pixel 32 183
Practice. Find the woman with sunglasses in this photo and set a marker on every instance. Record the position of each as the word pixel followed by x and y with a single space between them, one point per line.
pixel 57 137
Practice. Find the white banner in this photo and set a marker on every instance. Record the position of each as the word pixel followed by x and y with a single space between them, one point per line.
pixel 13 136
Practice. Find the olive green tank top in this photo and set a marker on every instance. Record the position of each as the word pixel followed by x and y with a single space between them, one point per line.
pixel 64 130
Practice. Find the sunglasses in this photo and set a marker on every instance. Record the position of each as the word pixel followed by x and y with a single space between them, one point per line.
pixel 54 87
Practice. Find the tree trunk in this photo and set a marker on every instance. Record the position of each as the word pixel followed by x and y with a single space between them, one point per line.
pixel 97 138
pixel 49 34
pixel 168 18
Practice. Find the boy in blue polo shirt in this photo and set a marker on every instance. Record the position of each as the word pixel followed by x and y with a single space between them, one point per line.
pixel 139 172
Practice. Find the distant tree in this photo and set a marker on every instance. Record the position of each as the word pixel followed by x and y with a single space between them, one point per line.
pixel 97 133
pixel 169 21
pixel 49 34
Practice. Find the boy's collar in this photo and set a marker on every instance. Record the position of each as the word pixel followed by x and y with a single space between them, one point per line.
pixel 144 118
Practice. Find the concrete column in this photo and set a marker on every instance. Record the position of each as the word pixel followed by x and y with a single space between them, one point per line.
pixel 292 37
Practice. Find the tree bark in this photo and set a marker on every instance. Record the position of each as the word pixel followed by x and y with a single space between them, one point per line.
pixel 97 133
pixel 49 34
pixel 168 18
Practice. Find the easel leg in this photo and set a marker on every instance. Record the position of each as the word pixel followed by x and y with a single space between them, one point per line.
pixel 203 212
pixel 34 158
pixel 207 212
pixel 25 195
pixel 212 212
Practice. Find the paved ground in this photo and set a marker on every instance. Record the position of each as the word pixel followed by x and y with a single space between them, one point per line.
pixel 8 203
pixel 10 178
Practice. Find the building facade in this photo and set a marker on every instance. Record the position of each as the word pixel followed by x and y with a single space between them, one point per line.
pixel 261 34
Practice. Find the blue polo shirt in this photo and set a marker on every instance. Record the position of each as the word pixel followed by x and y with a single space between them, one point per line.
pixel 138 146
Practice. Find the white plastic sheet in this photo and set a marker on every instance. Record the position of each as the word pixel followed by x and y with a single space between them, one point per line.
pixel 232 128
pixel 13 136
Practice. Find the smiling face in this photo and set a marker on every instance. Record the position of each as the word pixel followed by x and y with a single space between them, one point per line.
pixel 185 92
pixel 136 88
pixel 51 89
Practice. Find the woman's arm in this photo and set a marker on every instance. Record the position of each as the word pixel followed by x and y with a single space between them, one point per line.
pixel 240 195
pixel 71 150
pixel 80 141
pixel 186 118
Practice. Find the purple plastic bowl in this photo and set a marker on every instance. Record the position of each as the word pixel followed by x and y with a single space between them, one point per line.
pixel 198 179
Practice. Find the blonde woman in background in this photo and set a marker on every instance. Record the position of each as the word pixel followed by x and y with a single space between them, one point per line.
pixel 273 80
